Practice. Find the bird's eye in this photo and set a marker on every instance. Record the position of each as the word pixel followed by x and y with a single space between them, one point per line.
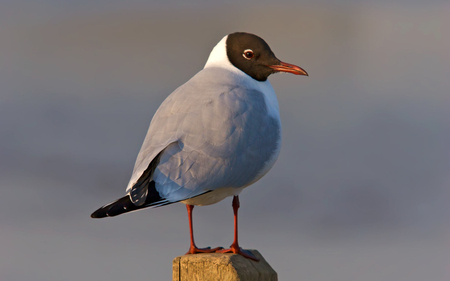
pixel 248 54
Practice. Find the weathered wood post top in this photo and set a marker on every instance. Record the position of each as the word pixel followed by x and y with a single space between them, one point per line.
pixel 223 267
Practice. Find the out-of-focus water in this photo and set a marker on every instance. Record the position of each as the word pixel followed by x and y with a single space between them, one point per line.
pixel 361 188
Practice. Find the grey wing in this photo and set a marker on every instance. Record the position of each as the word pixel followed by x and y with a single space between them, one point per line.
pixel 162 132
pixel 208 141
pixel 224 143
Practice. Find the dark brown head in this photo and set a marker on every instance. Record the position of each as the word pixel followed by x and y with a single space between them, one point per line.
pixel 252 55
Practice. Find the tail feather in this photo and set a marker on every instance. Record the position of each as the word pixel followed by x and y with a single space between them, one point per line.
pixel 124 204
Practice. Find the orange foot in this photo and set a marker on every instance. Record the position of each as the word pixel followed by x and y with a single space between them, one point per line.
pixel 195 250
pixel 238 250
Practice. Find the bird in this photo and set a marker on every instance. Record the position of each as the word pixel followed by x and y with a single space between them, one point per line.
pixel 213 136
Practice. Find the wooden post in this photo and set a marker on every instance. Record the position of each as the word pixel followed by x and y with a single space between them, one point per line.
pixel 223 267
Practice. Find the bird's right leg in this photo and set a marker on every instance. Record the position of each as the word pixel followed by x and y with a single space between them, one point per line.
pixel 193 249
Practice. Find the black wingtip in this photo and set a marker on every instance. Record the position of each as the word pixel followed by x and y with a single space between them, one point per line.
pixel 105 211
pixel 115 208
pixel 124 204
pixel 100 213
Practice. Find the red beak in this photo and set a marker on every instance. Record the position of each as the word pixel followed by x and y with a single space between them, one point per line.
pixel 289 68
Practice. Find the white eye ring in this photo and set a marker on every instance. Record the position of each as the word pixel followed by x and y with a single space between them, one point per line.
pixel 248 54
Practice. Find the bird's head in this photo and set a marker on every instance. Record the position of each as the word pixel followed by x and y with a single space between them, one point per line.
pixel 252 55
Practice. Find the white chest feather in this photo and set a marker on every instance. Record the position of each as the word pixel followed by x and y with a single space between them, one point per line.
pixel 218 58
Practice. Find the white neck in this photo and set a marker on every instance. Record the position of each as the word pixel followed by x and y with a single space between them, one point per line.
pixel 218 58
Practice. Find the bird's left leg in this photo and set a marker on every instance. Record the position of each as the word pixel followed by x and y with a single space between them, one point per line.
pixel 234 248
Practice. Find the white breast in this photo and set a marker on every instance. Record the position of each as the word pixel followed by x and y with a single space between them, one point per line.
pixel 218 58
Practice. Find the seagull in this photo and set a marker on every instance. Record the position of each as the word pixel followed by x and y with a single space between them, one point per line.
pixel 212 137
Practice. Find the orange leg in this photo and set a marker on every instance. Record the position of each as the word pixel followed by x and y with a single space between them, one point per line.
pixel 234 248
pixel 193 249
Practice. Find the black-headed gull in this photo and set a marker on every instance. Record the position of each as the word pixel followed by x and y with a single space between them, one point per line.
pixel 212 137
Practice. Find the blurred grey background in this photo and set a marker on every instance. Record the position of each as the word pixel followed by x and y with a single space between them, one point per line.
pixel 359 192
